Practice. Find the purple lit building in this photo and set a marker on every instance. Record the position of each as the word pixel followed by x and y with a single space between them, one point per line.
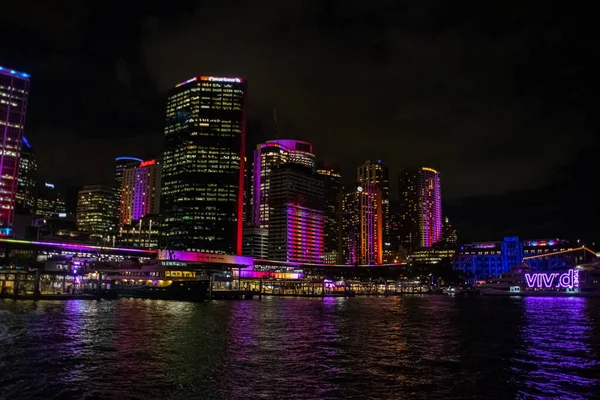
pixel 296 215
pixel 140 191
pixel 14 91
pixel 420 208
pixel 266 157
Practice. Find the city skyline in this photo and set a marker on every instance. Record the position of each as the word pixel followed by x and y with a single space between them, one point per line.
pixel 440 115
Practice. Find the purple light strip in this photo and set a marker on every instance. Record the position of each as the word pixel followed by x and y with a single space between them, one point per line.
pixel 69 246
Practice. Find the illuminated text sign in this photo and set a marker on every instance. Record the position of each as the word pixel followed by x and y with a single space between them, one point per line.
pixel 569 279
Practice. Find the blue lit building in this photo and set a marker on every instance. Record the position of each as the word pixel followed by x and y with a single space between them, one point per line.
pixel 481 260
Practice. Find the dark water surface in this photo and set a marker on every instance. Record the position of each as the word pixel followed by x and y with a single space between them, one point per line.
pixel 431 347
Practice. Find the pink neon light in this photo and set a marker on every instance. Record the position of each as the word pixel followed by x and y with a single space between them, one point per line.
pixel 188 81
pixel 569 279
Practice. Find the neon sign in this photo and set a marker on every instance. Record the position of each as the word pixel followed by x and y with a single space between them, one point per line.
pixel 220 79
pixel 146 163
pixel 569 279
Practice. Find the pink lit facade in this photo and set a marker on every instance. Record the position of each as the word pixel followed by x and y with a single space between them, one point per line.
pixel 14 91
pixel 296 215
pixel 140 191
pixel 267 156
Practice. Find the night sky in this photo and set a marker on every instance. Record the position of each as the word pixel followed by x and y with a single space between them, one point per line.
pixel 500 97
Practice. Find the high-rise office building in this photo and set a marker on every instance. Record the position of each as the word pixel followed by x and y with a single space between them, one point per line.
pixel 121 163
pixel 26 185
pixel 14 91
pixel 363 225
pixel 332 228
pixel 202 189
pixel 266 157
pixel 296 215
pixel 449 234
pixel 420 207
pixel 256 242
pixel 95 210
pixel 377 173
pixel 50 202
pixel 140 191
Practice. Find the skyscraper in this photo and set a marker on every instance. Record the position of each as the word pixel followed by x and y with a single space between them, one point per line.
pixel 50 202
pixel 14 91
pixel 266 157
pixel 120 164
pixel 140 193
pixel 95 210
pixel 377 173
pixel 362 225
pixel 202 191
pixel 296 215
pixel 332 225
pixel 26 192
pixel 420 207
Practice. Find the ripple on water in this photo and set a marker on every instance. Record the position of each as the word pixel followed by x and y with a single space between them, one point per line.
pixel 413 347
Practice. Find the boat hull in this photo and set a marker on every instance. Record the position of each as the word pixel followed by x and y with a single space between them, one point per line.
pixel 184 291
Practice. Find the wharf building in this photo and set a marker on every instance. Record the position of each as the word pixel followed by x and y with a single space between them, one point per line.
pixel 140 191
pixel 296 215
pixel 363 225
pixel 202 188
pixel 491 259
pixel 420 208
pixel 256 242
pixel 14 92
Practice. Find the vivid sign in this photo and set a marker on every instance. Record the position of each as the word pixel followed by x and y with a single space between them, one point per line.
pixel 569 279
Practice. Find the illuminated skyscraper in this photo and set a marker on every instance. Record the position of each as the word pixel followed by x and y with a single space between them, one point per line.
pixel 26 191
pixel 377 173
pixel 202 190
pixel 120 164
pixel 50 202
pixel 362 225
pixel 420 208
pixel 332 227
pixel 14 90
pixel 266 157
pixel 296 215
pixel 95 210
pixel 140 191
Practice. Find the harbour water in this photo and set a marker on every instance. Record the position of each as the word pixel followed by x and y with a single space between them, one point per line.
pixel 429 347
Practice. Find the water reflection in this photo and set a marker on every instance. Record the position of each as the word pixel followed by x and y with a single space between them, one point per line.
pixel 400 348
pixel 556 357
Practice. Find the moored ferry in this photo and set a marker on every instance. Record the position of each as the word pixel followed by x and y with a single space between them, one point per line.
pixel 581 281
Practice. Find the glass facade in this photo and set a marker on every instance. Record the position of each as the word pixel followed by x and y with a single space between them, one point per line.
pixel 296 215
pixel 420 208
pixel 26 192
pixel 14 91
pixel 268 156
pixel 332 228
pixel 95 210
pixel 202 190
